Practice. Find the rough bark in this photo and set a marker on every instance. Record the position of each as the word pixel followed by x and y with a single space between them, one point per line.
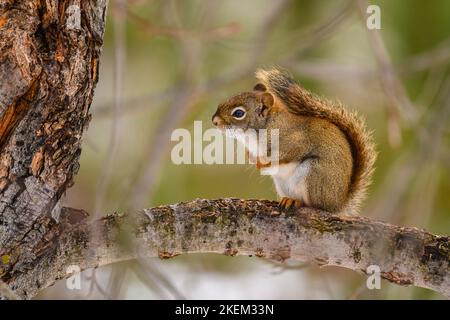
pixel 49 55
pixel 406 256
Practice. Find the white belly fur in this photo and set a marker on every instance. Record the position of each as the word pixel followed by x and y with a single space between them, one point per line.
pixel 290 180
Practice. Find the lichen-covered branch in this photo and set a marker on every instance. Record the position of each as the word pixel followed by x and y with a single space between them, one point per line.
pixel 406 256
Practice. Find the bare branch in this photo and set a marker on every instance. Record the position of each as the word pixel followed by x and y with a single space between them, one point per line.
pixel 309 38
pixel 399 103
pixel 119 75
pixel 406 256
pixel 180 33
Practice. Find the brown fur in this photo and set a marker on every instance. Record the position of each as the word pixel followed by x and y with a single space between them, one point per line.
pixel 299 101
pixel 323 135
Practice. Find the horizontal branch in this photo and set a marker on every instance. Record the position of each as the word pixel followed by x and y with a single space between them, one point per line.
pixel 405 256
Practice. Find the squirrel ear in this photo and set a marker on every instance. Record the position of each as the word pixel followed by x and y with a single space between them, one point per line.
pixel 267 99
pixel 259 87
pixel 266 104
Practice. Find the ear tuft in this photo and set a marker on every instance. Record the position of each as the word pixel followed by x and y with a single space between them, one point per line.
pixel 259 87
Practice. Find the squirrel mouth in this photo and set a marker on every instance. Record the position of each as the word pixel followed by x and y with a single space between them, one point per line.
pixel 230 131
pixel 224 127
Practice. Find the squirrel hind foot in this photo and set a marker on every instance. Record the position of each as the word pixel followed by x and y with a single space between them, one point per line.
pixel 289 204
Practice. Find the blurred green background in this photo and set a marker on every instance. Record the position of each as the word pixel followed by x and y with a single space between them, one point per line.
pixel 168 63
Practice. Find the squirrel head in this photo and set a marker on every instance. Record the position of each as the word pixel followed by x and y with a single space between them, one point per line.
pixel 245 110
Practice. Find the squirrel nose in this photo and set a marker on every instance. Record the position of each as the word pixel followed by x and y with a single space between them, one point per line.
pixel 216 120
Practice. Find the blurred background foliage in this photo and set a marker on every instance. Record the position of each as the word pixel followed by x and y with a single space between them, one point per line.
pixel 168 63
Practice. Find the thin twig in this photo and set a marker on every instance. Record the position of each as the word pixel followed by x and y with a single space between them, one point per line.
pixel 429 138
pixel 179 33
pixel 399 104
pixel 162 281
pixel 116 281
pixel 315 69
pixel 309 38
pixel 120 60
pixel 318 32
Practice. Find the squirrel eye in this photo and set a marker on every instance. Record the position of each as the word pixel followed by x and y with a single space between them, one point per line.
pixel 238 113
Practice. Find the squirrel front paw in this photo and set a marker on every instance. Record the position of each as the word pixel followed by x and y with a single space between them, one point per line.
pixel 288 203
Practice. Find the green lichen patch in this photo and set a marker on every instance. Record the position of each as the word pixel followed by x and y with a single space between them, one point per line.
pixel 6 259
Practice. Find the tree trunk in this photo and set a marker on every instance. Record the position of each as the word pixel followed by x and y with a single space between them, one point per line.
pixel 49 57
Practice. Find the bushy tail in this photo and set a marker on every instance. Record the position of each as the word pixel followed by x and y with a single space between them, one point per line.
pixel 300 101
